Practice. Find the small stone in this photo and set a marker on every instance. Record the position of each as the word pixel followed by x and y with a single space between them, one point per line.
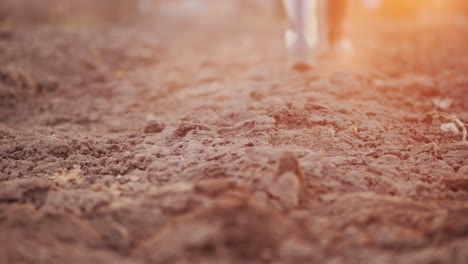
pixel 442 103
pixel 153 127
pixel 256 95
pixel 286 188
pixel 450 127
pixel 288 162
pixel 287 184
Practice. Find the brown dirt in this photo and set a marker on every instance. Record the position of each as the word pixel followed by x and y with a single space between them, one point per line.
pixel 184 139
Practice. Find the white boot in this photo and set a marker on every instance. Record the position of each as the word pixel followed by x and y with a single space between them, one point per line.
pixel 307 37
pixel 298 37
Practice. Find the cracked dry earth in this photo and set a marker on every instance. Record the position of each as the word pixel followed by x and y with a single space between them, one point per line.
pixel 160 143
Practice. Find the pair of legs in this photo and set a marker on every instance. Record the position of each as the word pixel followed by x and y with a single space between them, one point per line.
pixel 315 28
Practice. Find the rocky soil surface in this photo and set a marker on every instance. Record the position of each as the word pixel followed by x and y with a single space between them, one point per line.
pixel 176 138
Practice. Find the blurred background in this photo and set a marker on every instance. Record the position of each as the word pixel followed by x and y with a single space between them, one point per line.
pixel 18 12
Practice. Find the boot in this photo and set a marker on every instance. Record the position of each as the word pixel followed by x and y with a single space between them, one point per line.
pixel 315 30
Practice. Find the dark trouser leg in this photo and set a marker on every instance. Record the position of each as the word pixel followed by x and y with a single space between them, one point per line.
pixel 336 14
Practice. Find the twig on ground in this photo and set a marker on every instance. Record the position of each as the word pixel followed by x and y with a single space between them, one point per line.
pixel 437 114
